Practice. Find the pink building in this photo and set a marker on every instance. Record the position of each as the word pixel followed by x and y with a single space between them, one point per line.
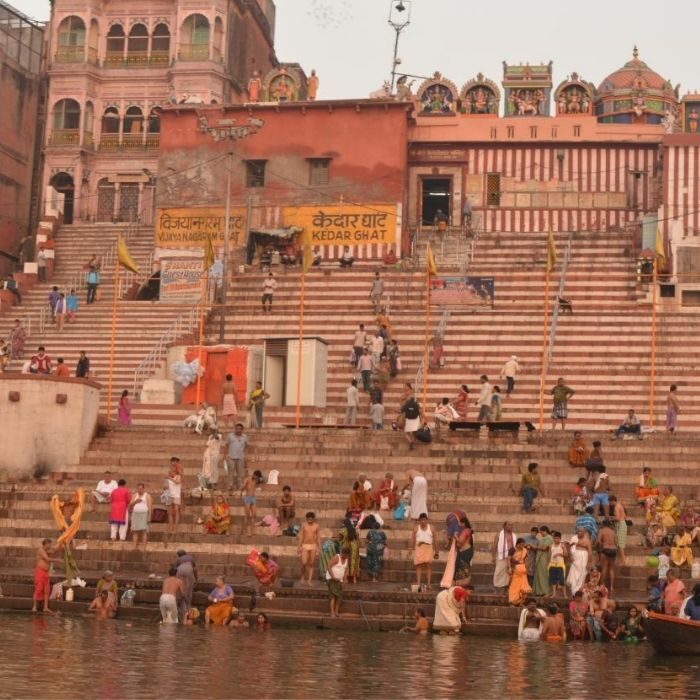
pixel 112 65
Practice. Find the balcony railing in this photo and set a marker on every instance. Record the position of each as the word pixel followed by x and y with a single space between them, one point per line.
pixel 129 142
pixel 65 137
pixel 194 52
pixel 137 59
pixel 70 54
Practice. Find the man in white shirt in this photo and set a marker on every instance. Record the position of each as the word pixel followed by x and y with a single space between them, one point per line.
pixel 484 401
pixel 41 264
pixel 364 364
pixel 103 491
pixel 377 348
pixel 359 341
pixel 630 426
pixel 352 403
pixel 269 286
pixel 509 371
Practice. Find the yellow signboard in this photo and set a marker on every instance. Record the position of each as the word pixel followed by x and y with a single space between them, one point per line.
pixel 343 224
pixel 189 228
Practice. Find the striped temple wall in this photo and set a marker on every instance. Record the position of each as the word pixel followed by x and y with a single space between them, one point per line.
pixel 681 185
pixel 572 187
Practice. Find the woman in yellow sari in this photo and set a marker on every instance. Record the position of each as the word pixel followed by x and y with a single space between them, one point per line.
pixel 219 520
pixel 670 508
pixel 578 452
pixel 519 588
pixel 682 552
pixel 221 599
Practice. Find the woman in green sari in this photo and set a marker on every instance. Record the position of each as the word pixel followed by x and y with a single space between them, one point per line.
pixel 350 540
pixel 541 582
pixel 376 542
pixel 328 550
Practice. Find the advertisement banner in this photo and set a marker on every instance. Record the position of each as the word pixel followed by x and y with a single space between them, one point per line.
pixel 346 224
pixel 189 228
pixel 461 291
pixel 180 279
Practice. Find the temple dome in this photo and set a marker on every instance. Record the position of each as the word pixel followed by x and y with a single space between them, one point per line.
pixel 635 93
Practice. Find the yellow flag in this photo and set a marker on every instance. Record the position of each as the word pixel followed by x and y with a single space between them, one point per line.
pixel 551 251
pixel 208 259
pixel 659 247
pixel 124 256
pixel 432 270
pixel 307 259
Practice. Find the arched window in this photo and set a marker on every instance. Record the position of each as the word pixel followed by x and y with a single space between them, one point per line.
pixel 116 41
pixel 160 44
pixel 195 38
pixel 93 40
pixel 133 121
pixel 137 46
pixel 71 40
pixel 66 123
pixel 153 122
pixel 110 121
pixel 66 115
pixel 218 39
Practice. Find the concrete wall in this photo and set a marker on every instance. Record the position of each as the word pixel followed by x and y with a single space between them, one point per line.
pixel 39 431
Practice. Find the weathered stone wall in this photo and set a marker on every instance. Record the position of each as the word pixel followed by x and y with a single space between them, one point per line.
pixel 47 422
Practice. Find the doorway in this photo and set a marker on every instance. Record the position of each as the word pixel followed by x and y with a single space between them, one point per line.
pixel 63 183
pixel 437 196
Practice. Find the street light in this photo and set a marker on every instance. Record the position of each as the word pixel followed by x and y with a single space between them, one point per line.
pixel 228 130
pixel 399 19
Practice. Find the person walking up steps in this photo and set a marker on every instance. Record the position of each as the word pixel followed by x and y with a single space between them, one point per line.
pixel 509 372
pixel 352 403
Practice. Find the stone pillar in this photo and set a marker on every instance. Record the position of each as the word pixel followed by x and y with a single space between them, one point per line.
pixel 484 433
pixel 523 434
pixel 117 201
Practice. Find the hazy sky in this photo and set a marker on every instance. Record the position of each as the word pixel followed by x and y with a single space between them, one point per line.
pixel 350 43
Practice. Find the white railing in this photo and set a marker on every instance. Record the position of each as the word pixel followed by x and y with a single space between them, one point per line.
pixel 555 312
pixel 440 333
pixel 184 324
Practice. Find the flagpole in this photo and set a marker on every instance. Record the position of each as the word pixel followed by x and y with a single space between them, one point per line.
pixel 113 339
pixel 203 286
pixel 301 340
pixel 426 362
pixel 545 323
pixel 652 369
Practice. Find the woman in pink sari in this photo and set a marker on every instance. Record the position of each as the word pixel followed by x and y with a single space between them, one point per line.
pixel 124 410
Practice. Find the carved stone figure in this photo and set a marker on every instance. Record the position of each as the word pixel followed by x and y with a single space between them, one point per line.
pixel 254 87
pixel 312 85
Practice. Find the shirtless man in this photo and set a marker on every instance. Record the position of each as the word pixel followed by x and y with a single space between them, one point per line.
pixel 285 507
pixel 42 583
pixel 607 548
pixel 102 606
pixel 309 546
pixel 620 520
pixel 172 590
pixel 422 625
pixel 553 627
pixel 533 622
pixel 250 484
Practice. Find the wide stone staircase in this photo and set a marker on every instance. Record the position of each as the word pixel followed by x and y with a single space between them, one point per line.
pixel 140 324
pixel 476 475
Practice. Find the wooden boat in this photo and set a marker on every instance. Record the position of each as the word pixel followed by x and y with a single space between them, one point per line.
pixel 671 635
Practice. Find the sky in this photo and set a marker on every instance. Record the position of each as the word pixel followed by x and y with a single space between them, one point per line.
pixel 350 43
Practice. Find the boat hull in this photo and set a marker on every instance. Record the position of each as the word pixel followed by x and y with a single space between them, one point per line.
pixel 673 636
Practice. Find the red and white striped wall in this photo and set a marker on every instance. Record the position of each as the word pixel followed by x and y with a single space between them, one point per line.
pixel 681 183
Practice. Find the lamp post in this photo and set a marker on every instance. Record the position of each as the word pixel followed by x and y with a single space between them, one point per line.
pixel 399 19
pixel 227 130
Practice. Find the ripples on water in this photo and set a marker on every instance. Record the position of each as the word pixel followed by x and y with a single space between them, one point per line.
pixel 76 658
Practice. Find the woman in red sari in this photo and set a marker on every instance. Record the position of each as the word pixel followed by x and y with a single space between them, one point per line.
pixel 461 401
pixel 265 569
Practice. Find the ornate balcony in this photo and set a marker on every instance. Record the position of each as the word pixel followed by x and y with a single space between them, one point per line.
pixel 70 54
pixel 64 137
pixel 137 59
pixel 129 142
pixel 194 52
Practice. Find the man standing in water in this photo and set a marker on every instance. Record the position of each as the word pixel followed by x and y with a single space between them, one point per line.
pixel 172 590
pixel 42 582
pixel 309 546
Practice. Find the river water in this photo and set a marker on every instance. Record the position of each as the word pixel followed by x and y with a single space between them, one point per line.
pixel 81 658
